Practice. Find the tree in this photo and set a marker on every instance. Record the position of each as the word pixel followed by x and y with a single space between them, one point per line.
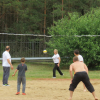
pixel 81 6
pixel 24 17
pixel 65 37
pixel 27 16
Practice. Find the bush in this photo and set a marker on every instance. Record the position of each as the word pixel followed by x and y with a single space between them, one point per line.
pixel 65 38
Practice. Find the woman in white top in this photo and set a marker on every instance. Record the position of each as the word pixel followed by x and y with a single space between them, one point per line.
pixel 56 59
pixel 80 58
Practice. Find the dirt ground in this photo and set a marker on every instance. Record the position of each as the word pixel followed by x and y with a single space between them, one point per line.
pixel 47 89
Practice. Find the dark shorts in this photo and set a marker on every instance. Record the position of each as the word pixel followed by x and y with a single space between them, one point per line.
pixel 81 76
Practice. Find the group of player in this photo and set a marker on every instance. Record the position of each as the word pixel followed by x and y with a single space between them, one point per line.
pixel 80 72
pixel 78 66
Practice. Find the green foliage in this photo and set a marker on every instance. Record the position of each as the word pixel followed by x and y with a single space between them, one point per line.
pixel 81 6
pixel 65 37
pixel 23 17
pixel 27 16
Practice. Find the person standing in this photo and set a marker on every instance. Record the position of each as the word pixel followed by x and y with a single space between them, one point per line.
pixel 76 53
pixel 81 74
pixel 6 63
pixel 21 68
pixel 56 58
pixel 80 58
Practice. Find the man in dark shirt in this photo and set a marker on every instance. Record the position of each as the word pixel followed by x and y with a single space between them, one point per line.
pixel 21 76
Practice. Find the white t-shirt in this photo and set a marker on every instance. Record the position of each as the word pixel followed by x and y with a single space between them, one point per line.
pixel 80 58
pixel 55 58
pixel 6 56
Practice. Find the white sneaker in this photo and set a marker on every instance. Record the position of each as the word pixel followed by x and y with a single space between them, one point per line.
pixel 62 75
pixel 7 85
pixel 53 77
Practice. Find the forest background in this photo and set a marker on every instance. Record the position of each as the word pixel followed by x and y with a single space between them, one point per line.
pixel 66 20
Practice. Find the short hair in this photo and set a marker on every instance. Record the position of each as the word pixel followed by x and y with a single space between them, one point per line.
pixel 22 59
pixel 75 58
pixel 76 51
pixel 56 50
pixel 7 47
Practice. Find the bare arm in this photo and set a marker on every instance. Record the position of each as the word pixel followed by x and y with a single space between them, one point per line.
pixel 14 73
pixel 71 71
pixel 10 64
pixel 86 68
pixel 59 61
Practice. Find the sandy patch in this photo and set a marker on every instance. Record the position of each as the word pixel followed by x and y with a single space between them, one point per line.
pixel 47 89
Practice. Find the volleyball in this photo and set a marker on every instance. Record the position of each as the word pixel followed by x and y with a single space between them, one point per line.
pixel 44 51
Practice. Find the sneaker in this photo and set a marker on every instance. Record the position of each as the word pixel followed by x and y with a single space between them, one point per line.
pixel 53 77
pixel 17 93
pixel 3 84
pixel 62 75
pixel 23 93
pixel 7 85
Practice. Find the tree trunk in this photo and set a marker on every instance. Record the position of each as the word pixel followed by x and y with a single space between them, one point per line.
pixel 44 21
pixel 62 8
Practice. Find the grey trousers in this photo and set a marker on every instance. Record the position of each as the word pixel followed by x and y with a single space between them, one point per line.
pixel 20 80
pixel 6 71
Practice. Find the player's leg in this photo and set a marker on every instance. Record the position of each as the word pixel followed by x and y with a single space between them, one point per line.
pixel 93 93
pixel 3 76
pixel 6 75
pixel 19 80
pixel 74 84
pixel 84 87
pixel 54 70
pixel 23 84
pixel 71 94
pixel 58 69
pixel 88 85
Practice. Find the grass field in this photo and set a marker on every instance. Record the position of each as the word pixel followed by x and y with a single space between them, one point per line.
pixel 44 70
